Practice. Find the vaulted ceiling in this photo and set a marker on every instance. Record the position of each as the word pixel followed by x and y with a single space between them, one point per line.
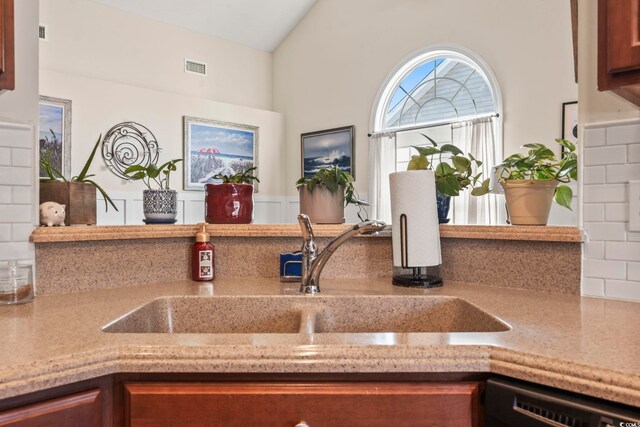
pixel 261 24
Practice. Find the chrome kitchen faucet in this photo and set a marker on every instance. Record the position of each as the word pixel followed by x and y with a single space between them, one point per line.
pixel 313 261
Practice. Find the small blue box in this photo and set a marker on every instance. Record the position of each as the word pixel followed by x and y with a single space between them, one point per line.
pixel 291 267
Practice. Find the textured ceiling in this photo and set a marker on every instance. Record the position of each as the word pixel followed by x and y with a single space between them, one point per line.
pixel 261 24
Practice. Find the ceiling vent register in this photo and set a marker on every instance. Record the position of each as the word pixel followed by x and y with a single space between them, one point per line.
pixel 195 67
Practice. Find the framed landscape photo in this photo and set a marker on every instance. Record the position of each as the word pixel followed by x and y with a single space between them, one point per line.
pixel 327 148
pixel 54 138
pixel 212 147
pixel 570 122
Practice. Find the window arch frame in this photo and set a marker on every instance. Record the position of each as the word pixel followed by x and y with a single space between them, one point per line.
pixel 416 59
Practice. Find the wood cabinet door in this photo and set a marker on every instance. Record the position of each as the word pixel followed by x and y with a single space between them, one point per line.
pixel 7 54
pixel 290 404
pixel 76 410
pixel 623 35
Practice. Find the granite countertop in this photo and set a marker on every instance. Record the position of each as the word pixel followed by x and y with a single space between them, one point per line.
pixel 586 345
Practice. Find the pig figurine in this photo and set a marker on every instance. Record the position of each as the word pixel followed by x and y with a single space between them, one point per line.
pixel 52 213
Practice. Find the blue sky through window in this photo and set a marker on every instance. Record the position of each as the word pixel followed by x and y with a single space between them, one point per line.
pixel 412 80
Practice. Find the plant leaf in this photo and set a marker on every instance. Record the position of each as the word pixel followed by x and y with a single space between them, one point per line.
pixel 449 148
pixel 104 194
pixel 563 196
pixel 418 163
pixel 87 165
pixel 435 144
pixel 462 164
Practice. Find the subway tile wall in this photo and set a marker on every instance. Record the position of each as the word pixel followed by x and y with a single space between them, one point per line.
pixel 17 191
pixel 611 256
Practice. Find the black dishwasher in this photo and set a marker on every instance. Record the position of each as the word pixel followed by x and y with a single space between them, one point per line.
pixel 511 403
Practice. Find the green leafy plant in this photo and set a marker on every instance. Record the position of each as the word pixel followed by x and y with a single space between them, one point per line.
pixel 153 174
pixel 332 179
pixel 454 172
pixel 53 174
pixel 541 164
pixel 244 177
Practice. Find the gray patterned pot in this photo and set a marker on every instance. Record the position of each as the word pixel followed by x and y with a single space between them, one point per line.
pixel 160 204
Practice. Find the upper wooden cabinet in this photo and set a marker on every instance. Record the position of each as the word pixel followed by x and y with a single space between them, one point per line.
pixel 7 53
pixel 619 48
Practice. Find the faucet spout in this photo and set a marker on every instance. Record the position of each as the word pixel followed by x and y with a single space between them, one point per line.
pixel 313 262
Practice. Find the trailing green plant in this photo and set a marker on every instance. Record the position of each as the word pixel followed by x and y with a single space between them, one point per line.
pixel 332 179
pixel 53 174
pixel 453 172
pixel 244 177
pixel 541 164
pixel 153 174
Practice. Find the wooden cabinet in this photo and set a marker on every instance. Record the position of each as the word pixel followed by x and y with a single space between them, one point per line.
pixel 619 48
pixel 7 54
pixel 288 404
pixel 81 409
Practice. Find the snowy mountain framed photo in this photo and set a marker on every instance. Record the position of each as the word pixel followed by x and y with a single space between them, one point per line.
pixel 327 148
pixel 212 147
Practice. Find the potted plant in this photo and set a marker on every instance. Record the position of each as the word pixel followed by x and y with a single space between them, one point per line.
pixel 324 196
pixel 531 181
pixel 453 173
pixel 78 194
pixel 160 204
pixel 231 201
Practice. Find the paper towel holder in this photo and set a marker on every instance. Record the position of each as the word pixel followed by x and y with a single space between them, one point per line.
pixel 417 279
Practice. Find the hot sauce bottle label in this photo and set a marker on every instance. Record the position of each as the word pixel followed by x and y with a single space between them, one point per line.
pixel 205 264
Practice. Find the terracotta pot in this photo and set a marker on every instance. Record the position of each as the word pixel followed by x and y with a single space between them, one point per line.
pixel 529 202
pixel 228 203
pixel 79 199
pixel 160 205
pixel 321 205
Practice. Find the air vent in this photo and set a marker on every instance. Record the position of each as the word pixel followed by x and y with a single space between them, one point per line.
pixel 195 67
pixel 43 33
pixel 548 416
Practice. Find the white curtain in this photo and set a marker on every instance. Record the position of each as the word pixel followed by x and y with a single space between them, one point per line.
pixel 382 162
pixel 478 137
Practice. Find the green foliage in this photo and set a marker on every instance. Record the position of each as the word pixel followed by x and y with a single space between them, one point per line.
pixel 53 174
pixel 454 171
pixel 541 164
pixel 159 175
pixel 244 177
pixel 332 179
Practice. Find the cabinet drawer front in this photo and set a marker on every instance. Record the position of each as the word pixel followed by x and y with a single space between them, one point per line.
pixel 81 409
pixel 278 404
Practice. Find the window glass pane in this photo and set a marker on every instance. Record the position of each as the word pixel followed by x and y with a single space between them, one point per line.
pixel 441 89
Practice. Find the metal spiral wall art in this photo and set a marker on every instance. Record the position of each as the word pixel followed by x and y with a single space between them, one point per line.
pixel 127 144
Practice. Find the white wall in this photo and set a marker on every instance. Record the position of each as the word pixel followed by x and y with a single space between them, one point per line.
pixel 92 40
pixel 98 105
pixel 18 118
pixel 328 70
pixel 611 157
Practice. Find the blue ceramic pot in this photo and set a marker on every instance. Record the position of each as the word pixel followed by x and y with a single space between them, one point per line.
pixel 444 202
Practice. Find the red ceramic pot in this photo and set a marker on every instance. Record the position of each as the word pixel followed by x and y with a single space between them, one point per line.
pixel 228 203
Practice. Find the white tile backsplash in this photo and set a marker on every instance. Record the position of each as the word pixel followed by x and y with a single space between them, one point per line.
pixel 611 256
pixel 17 177
pixel 605 155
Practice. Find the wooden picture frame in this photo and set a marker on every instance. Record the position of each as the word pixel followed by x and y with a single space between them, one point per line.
pixel 212 147
pixel 326 148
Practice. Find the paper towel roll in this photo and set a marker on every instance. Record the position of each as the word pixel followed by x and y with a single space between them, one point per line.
pixel 414 215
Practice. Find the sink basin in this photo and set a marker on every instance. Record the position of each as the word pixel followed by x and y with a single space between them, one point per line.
pixel 211 315
pixel 304 314
pixel 403 314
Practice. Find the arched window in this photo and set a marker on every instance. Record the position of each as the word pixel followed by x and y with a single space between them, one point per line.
pixel 450 94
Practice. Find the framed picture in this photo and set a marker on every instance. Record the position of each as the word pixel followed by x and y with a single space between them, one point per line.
pixel 327 148
pixel 212 147
pixel 570 122
pixel 55 133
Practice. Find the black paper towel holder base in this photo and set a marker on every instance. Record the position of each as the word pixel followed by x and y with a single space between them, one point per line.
pixel 417 280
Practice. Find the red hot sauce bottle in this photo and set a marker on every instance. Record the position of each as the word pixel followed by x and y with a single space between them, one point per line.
pixel 203 266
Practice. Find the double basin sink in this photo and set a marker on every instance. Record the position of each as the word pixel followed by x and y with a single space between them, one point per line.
pixel 306 315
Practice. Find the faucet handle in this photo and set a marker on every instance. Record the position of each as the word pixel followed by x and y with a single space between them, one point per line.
pixel 305 227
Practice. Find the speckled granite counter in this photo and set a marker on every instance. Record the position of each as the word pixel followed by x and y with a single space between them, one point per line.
pixel 586 345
